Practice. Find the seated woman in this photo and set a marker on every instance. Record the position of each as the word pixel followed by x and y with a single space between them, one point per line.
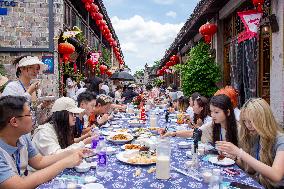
pixel 191 103
pixel 233 95
pixel 56 135
pixel 223 127
pixel 262 144
pixel 201 112
pixel 182 104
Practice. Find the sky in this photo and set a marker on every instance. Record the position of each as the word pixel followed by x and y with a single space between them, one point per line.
pixel 146 28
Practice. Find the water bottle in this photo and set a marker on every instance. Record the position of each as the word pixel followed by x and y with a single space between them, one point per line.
pixel 102 158
pixel 95 140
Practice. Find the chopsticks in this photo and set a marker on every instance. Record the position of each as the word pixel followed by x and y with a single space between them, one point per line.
pixel 186 174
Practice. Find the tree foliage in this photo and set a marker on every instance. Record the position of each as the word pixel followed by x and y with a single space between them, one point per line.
pixel 139 73
pixel 200 73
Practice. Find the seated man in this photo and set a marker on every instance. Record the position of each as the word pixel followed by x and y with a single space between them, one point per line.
pixel 17 151
pixel 101 112
pixel 87 101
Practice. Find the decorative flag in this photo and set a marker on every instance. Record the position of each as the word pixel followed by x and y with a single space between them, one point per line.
pixel 95 57
pixel 251 20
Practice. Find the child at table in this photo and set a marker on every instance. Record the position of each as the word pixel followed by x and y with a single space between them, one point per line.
pixel 201 112
pixel 224 125
pixel 17 150
pixel 261 142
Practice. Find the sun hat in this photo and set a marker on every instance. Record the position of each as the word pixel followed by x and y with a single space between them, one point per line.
pixel 3 80
pixel 66 103
pixel 132 85
pixel 32 60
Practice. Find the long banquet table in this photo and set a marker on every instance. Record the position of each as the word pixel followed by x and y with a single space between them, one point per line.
pixel 122 175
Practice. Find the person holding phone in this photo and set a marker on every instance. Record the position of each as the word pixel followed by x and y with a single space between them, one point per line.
pixel 261 140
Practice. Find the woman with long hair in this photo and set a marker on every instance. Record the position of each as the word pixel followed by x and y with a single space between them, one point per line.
pixel 224 125
pixel 56 135
pixel 262 144
pixel 182 104
pixel 201 111
pixel 233 94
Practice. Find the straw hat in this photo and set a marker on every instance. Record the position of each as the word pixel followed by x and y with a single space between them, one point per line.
pixel 32 60
pixel 3 80
pixel 66 103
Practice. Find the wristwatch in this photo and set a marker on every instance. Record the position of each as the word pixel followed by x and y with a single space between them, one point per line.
pixel 174 134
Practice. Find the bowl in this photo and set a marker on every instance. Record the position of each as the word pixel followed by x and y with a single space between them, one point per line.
pixel 83 167
pixel 110 150
pixel 206 175
pixel 93 186
pixel 184 144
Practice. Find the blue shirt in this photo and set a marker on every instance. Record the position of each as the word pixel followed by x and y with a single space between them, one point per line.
pixel 20 155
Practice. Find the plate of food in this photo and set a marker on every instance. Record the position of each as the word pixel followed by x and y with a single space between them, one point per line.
pixel 131 147
pixel 120 138
pixel 121 130
pixel 134 123
pixel 221 160
pixel 134 157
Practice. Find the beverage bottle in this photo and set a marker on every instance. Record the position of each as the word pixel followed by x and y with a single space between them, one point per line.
pixel 95 132
pixel 101 168
pixel 163 159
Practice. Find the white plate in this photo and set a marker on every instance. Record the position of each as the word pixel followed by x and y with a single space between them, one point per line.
pixel 121 157
pixel 189 154
pixel 110 150
pixel 106 133
pixel 105 125
pixel 83 167
pixel 116 126
pixel 109 138
pixel 184 144
pixel 93 186
pixel 225 162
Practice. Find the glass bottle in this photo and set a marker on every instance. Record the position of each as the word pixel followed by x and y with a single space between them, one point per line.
pixel 163 159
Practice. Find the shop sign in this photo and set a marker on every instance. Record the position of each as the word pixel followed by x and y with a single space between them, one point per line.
pixel 4 6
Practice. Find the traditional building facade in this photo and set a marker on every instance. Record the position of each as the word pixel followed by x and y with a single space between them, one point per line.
pixel 35 27
pixel 255 67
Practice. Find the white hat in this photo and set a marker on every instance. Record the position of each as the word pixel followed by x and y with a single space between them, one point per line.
pixel 32 60
pixel 3 80
pixel 66 103
pixel 132 85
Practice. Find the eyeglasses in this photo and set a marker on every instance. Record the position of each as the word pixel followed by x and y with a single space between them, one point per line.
pixel 251 100
pixel 28 115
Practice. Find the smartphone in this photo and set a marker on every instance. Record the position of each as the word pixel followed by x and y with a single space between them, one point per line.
pixel 241 186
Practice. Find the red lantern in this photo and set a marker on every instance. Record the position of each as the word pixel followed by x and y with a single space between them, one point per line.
pixel 88 7
pixel 103 68
pixel 109 73
pixel 98 16
pixel 84 1
pixel 94 8
pixel 259 4
pixel 90 1
pixel 207 30
pixel 66 49
pixel 113 44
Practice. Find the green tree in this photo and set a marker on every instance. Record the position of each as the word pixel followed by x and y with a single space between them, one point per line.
pixel 200 73
pixel 139 73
